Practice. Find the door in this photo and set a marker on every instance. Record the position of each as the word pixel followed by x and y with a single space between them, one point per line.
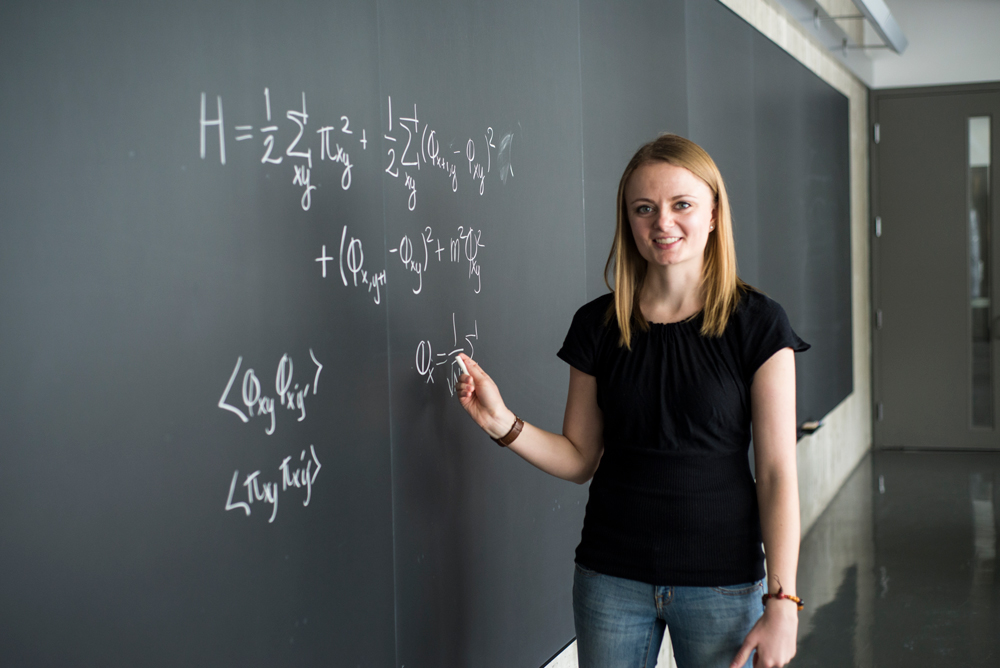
pixel 935 252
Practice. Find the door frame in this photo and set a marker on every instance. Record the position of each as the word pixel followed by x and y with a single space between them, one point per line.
pixel 875 96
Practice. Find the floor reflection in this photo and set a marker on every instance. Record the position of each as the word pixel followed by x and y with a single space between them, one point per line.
pixel 900 569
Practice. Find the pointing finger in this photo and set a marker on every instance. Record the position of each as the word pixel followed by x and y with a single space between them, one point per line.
pixel 741 656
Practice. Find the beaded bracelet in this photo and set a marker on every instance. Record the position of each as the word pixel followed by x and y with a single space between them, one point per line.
pixel 795 599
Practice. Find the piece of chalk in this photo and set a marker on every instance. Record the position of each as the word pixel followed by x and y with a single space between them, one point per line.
pixel 461 365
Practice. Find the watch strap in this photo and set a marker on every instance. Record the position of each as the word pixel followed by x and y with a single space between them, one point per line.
pixel 509 437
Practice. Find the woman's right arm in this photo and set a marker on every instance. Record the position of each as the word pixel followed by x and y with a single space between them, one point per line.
pixel 572 455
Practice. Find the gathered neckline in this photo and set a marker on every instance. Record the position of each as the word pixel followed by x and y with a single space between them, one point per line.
pixel 685 321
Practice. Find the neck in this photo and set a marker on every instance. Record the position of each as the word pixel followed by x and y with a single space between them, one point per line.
pixel 672 293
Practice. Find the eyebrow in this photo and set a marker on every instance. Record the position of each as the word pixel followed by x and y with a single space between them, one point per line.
pixel 674 198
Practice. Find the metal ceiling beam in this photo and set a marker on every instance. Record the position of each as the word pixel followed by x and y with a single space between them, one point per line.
pixel 883 23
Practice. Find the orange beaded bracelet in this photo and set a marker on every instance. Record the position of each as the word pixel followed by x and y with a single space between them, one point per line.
pixel 795 599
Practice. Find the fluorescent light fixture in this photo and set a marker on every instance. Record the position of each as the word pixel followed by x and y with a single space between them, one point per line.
pixel 884 24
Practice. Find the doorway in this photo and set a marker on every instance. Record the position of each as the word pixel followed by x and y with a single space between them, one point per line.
pixel 936 267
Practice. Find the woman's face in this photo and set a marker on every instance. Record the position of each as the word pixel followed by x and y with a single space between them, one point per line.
pixel 671 212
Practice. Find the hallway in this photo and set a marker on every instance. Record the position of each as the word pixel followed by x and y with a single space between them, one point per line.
pixel 900 568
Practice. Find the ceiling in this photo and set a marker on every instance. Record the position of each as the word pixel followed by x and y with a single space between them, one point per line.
pixel 949 41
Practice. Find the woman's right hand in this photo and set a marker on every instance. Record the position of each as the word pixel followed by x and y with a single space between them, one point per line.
pixel 572 455
pixel 481 398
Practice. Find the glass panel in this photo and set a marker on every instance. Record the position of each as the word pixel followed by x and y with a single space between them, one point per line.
pixel 979 270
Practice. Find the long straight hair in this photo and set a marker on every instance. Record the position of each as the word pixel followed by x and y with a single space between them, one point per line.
pixel 720 283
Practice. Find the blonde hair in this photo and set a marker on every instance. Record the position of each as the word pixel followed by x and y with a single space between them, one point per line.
pixel 722 287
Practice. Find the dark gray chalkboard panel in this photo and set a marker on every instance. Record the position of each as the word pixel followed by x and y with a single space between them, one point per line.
pixel 484 542
pixel 803 213
pixel 720 96
pixel 632 61
pixel 134 277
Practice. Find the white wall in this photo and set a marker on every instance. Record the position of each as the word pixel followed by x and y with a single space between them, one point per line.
pixel 951 42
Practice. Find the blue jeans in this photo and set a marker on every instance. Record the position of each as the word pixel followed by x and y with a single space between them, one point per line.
pixel 620 623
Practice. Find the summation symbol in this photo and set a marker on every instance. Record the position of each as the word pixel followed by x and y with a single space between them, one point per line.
pixel 330 149
pixel 302 172
pixel 405 152
pixel 412 145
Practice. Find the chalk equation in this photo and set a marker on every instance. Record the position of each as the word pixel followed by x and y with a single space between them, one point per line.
pixel 410 145
pixel 463 248
pixel 416 257
pixel 415 144
pixel 294 474
pixel 288 394
pixel 296 148
pixel 427 360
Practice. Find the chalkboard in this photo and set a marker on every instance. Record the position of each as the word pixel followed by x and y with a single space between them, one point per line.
pixel 240 247
pixel 158 277
pixel 484 544
pixel 633 63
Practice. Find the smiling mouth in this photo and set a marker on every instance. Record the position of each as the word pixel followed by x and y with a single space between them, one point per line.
pixel 666 241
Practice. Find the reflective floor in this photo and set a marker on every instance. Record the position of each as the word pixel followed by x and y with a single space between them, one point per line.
pixel 900 569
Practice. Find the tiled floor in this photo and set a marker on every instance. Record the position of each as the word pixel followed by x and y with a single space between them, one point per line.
pixel 900 569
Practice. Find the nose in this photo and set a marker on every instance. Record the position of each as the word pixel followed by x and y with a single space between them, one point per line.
pixel 665 219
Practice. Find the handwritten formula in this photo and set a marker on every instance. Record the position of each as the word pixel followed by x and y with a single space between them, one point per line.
pixel 293 475
pixel 288 394
pixel 427 359
pixel 411 156
pixel 462 248
pixel 410 145
pixel 296 141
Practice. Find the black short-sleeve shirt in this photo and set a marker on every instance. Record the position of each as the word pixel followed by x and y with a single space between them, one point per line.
pixel 673 501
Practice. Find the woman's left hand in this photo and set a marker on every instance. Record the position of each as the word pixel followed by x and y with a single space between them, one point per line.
pixel 773 636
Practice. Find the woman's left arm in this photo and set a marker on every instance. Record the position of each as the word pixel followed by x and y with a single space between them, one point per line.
pixel 772 397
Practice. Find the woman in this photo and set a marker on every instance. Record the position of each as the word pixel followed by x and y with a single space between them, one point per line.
pixel 666 375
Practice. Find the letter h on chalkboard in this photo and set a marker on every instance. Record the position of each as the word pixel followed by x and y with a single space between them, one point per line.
pixel 206 123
